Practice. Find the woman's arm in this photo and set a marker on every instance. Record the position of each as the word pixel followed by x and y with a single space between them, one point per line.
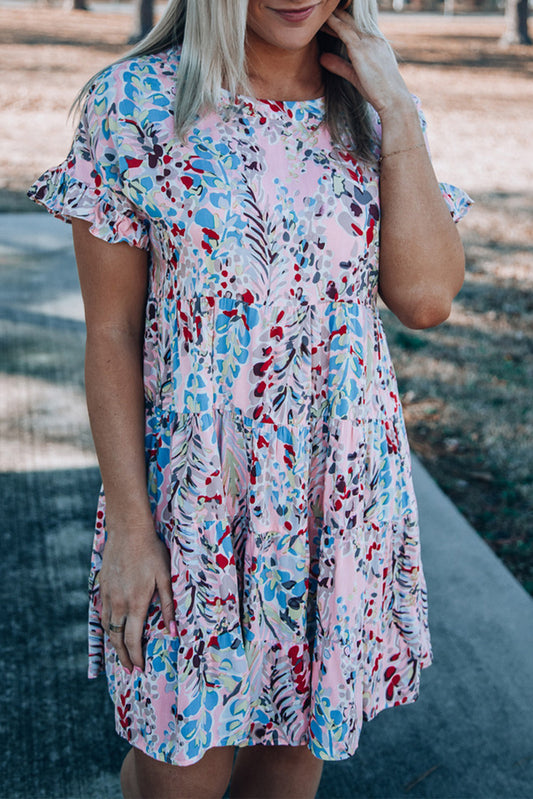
pixel 113 280
pixel 421 256
pixel 421 264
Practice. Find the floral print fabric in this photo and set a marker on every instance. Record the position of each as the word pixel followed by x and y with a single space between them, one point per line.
pixel 277 460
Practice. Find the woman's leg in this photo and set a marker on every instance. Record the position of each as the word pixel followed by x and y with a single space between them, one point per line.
pixel 275 772
pixel 142 777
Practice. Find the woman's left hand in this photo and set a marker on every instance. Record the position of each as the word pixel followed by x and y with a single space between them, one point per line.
pixel 372 68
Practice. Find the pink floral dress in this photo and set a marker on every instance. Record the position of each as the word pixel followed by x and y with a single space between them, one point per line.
pixel 277 460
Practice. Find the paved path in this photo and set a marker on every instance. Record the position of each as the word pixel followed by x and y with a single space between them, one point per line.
pixel 469 736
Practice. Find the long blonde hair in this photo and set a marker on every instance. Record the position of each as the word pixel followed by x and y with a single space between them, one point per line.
pixel 212 37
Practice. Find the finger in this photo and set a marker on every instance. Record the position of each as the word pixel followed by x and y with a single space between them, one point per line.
pixel 116 640
pixel 164 588
pixel 105 613
pixel 340 21
pixel 339 66
pixel 343 14
pixel 133 635
pixel 326 29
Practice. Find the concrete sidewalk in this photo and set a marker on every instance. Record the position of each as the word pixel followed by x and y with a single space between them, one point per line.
pixel 469 736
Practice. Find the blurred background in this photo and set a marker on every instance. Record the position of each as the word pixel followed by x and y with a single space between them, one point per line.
pixel 466 386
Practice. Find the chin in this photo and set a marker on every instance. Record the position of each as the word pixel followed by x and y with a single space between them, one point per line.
pixel 292 42
pixel 286 39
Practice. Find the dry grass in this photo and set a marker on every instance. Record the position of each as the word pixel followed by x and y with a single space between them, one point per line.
pixel 466 385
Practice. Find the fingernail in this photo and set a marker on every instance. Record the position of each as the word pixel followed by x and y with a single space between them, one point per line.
pixel 128 671
pixel 173 629
pixel 137 671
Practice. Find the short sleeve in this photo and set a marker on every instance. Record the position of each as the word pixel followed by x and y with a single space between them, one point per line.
pixel 457 200
pixel 88 183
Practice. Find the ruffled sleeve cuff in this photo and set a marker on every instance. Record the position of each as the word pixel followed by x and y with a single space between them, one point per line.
pixel 112 218
pixel 456 199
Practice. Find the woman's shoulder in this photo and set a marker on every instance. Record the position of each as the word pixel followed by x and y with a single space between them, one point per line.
pixel 133 84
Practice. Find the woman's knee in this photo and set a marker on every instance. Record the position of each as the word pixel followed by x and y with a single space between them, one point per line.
pixel 275 772
pixel 143 777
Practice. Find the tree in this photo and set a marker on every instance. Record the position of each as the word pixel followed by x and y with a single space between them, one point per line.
pixel 516 32
pixel 144 12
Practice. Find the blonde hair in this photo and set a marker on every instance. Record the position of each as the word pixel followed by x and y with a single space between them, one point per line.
pixel 212 37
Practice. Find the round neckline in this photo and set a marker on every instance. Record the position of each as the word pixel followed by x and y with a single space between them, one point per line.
pixel 246 99
pixel 262 105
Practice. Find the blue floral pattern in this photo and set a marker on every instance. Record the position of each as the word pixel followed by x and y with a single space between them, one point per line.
pixel 277 460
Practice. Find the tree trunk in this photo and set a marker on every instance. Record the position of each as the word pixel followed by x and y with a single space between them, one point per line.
pixel 523 9
pixel 516 12
pixel 145 19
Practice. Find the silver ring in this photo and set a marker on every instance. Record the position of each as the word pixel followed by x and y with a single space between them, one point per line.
pixel 116 628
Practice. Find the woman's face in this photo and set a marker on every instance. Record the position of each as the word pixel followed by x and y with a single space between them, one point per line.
pixel 289 24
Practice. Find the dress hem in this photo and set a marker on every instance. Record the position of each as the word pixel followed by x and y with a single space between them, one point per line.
pixel 142 744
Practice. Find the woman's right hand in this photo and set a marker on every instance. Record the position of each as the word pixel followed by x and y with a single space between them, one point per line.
pixel 134 567
pixel 135 564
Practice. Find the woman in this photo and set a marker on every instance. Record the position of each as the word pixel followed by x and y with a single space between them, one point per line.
pixel 256 576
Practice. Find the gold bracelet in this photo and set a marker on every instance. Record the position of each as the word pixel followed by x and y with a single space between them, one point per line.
pixel 397 152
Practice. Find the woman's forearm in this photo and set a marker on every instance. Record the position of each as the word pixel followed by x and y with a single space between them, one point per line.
pixel 114 387
pixel 421 256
